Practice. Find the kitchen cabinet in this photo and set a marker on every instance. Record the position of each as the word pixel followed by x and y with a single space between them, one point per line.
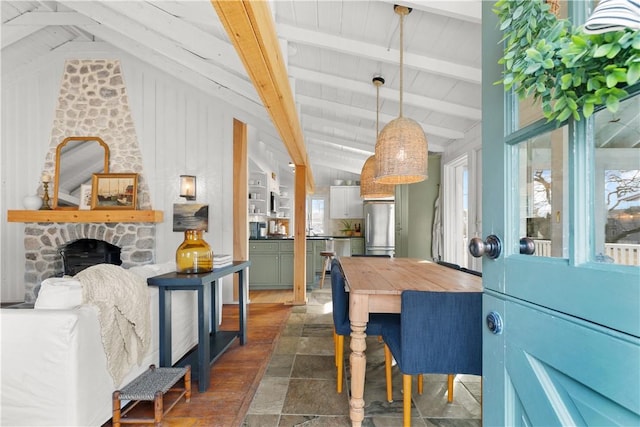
pixel 286 269
pixel 345 202
pixel 265 264
pixel 357 246
pixel 272 264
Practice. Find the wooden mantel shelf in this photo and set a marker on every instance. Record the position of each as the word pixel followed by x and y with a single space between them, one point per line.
pixel 84 216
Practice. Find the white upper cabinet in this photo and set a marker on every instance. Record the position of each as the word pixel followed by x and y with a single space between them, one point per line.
pixel 345 202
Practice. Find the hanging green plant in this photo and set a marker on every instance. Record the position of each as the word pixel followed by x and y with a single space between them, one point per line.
pixel 568 71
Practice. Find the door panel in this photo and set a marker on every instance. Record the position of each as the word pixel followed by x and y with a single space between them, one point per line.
pixel 560 385
pixel 569 349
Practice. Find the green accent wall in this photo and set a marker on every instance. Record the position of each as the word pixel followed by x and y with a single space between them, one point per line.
pixel 417 203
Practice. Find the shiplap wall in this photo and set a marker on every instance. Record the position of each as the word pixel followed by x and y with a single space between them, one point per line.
pixel 180 130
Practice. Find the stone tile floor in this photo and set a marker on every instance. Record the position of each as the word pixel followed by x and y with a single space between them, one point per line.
pixel 299 389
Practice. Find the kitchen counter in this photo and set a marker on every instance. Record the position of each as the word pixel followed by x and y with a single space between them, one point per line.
pixel 307 238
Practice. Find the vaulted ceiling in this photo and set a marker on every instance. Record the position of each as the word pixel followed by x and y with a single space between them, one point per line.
pixel 332 50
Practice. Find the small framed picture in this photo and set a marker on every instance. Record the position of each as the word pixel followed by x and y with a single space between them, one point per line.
pixel 114 190
pixel 190 216
pixel 85 197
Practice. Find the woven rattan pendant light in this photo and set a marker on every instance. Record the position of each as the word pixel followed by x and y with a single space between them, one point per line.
pixel 369 189
pixel 401 150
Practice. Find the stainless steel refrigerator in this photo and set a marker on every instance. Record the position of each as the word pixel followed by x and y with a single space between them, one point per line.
pixel 379 231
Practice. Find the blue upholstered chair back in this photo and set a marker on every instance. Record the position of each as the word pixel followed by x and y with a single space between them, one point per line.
pixel 439 333
pixel 340 300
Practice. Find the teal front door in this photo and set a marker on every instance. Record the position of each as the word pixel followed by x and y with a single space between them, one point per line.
pixel 561 339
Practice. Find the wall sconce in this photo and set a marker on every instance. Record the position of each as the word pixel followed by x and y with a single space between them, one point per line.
pixel 188 187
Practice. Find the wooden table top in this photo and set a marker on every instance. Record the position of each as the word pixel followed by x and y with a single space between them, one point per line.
pixel 378 275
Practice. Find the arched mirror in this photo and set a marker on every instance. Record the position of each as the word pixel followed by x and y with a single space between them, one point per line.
pixel 77 159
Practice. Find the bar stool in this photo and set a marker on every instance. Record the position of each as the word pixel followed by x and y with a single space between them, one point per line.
pixel 329 253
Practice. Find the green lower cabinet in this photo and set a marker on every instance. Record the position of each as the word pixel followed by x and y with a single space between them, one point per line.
pixel 264 270
pixel 286 269
pixel 311 272
pixel 357 246
pixel 272 264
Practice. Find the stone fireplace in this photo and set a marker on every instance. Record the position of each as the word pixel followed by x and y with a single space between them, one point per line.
pixel 44 241
pixel 92 101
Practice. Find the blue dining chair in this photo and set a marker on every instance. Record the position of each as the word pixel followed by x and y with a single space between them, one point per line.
pixel 341 323
pixel 438 333
pixel 449 264
pixel 474 272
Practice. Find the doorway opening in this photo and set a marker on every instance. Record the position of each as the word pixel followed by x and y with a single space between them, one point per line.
pixel 455 220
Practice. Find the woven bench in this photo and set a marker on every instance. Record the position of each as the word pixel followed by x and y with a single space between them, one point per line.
pixel 151 386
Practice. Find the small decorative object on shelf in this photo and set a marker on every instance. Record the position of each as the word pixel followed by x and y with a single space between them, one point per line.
pixel 32 203
pixel 45 192
pixel 346 227
pixel 194 255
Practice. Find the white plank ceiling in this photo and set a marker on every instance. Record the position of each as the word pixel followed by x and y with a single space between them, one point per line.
pixel 333 50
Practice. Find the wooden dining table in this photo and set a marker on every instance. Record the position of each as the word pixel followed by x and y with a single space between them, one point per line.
pixel 375 285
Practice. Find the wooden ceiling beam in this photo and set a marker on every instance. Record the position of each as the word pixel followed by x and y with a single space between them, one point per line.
pixel 251 29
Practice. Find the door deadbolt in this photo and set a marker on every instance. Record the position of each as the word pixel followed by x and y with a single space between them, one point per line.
pixel 494 322
pixel 527 247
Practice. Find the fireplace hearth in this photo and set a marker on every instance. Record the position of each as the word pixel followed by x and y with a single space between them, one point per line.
pixel 44 243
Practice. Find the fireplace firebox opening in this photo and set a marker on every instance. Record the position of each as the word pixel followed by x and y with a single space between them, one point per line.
pixel 83 253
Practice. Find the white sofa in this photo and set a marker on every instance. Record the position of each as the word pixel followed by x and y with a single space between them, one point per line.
pixel 54 369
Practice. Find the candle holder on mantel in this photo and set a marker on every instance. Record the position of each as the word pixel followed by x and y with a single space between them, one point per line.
pixel 45 196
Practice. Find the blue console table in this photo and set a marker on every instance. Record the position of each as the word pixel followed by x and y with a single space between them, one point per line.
pixel 211 342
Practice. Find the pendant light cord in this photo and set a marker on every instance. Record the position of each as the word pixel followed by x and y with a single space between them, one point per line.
pixel 377 109
pixel 401 56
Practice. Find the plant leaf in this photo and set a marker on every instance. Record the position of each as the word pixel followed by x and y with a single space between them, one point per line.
pixel 613 103
pixel 534 54
pixel 587 110
pixel 633 73
pixel 601 50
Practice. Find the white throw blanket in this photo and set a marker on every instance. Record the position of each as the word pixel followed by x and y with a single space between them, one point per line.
pixel 123 304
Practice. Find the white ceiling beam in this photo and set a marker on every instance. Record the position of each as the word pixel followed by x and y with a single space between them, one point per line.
pixel 466 10
pixel 43 19
pixel 10 35
pixel 130 31
pixel 339 144
pixel 327 152
pixel 337 160
pixel 346 110
pixel 386 93
pixel 351 168
pixel 379 53
pixel 184 34
pixel 351 132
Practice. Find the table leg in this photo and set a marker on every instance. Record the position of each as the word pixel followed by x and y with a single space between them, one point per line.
pixel 164 318
pixel 242 306
pixel 358 360
pixel 214 307
pixel 204 347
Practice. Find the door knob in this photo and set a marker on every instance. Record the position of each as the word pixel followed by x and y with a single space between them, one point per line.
pixel 491 247
pixel 527 247
pixel 494 322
